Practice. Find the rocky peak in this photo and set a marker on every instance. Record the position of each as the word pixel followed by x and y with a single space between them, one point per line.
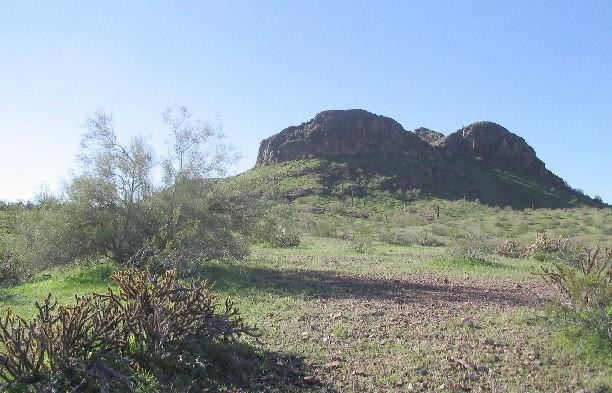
pixel 432 137
pixel 358 132
pixel 339 133
pixel 490 141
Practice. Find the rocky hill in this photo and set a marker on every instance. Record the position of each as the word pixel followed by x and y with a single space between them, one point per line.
pixel 481 161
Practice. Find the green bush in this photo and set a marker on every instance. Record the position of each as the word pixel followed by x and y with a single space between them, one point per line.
pixel 402 238
pixel 324 229
pixel 585 288
pixel 113 208
pixel 426 239
pixel 471 247
pixel 282 237
pixel 510 249
pixel 43 237
pixel 361 244
pixel 279 235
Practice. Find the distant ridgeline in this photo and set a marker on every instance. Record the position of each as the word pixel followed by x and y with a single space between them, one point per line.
pixel 481 161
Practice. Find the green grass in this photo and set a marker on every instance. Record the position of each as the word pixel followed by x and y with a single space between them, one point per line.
pixel 386 318
pixel 62 282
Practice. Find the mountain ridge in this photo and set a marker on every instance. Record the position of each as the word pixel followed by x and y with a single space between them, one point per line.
pixel 479 160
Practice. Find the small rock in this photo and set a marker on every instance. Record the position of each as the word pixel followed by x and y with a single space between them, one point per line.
pixel 309 379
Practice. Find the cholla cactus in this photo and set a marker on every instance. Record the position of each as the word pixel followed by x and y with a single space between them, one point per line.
pixel 511 249
pixel 544 244
pixel 106 337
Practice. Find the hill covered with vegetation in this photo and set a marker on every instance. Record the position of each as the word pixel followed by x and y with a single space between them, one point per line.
pixel 482 161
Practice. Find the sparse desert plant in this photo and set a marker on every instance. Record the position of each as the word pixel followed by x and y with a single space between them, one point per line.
pixel 473 247
pixel 546 245
pixel 585 290
pixel 426 239
pixel 12 271
pixel 402 238
pixel 324 228
pixel 337 207
pixel 361 244
pixel 510 249
pixel 63 348
pixel 276 234
pixel 151 323
pixel 284 237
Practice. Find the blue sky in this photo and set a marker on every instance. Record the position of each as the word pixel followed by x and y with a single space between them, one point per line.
pixel 543 69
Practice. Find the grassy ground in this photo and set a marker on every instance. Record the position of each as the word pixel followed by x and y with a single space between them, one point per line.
pixel 392 318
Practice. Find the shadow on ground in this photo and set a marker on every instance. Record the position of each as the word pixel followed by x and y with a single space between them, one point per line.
pixel 328 284
pixel 241 368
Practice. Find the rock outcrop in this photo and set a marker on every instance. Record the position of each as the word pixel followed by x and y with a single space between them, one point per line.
pixel 432 137
pixel 339 133
pixel 359 132
pixel 490 141
pixel 482 160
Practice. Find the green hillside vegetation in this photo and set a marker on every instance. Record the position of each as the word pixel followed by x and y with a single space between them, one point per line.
pixel 312 197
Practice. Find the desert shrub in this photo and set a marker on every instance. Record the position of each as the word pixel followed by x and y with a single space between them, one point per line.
pixel 337 207
pixel 269 230
pixel 283 237
pixel 113 207
pixel 12 270
pixel 324 228
pixel 585 288
pixel 510 248
pixel 152 323
pixel 361 244
pixel 426 239
pixel 63 348
pixel 401 238
pixel 473 247
pixel 42 237
pixel 200 222
pixel 440 230
pixel 545 245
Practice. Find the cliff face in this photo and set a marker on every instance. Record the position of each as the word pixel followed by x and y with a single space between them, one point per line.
pixel 340 133
pixel 491 141
pixel 483 160
pixel 358 132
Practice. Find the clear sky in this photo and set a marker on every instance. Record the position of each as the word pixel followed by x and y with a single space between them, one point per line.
pixel 542 69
